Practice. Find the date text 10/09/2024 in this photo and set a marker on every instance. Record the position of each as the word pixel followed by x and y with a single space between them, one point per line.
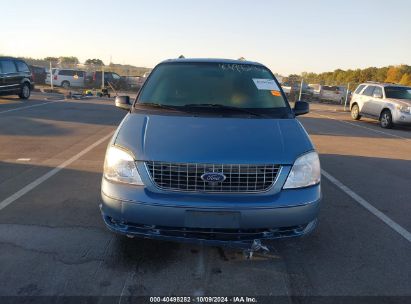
pixel 203 299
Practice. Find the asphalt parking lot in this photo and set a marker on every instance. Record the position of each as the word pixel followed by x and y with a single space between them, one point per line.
pixel 54 243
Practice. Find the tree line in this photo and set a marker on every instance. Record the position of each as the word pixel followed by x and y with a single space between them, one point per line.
pixel 400 74
pixel 91 64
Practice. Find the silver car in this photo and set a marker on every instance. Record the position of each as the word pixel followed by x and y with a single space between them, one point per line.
pixel 332 93
pixel 387 102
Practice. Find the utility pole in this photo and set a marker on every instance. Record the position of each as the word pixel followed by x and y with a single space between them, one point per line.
pixel 346 97
pixel 102 77
pixel 51 77
pixel 301 89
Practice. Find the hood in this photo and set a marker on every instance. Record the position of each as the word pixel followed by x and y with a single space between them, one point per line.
pixel 213 139
pixel 401 102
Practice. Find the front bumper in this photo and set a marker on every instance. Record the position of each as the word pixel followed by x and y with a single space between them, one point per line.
pixel 210 219
pixel 401 118
pixel 239 238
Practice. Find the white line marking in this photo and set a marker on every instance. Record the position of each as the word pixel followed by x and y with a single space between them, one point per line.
pixel 403 232
pixel 359 126
pixel 124 286
pixel 200 269
pixel 32 106
pixel 43 178
pixel 24 159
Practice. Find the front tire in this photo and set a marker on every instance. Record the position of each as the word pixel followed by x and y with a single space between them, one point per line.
pixel 25 91
pixel 386 119
pixel 355 112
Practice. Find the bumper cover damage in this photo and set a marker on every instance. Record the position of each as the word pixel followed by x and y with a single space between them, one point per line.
pixel 235 238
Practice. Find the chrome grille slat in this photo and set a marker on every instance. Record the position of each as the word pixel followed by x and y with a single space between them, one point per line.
pixel 186 177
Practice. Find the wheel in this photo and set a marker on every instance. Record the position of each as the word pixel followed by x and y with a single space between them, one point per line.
pixel 65 84
pixel 25 91
pixel 386 119
pixel 355 112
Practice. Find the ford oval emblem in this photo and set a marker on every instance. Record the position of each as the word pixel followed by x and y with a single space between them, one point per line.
pixel 213 177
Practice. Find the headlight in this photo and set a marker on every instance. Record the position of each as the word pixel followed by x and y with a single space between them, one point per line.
pixel 305 172
pixel 120 166
pixel 404 109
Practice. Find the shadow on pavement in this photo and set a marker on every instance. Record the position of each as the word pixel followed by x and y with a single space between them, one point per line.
pixel 326 126
pixel 46 120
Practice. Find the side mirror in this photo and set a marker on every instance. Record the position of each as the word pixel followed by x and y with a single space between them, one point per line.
pixel 123 102
pixel 301 108
pixel 377 95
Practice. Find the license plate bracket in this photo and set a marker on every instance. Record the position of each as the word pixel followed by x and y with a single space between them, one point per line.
pixel 212 219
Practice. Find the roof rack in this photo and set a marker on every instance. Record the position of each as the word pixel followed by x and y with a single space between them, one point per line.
pixel 382 83
pixel 378 82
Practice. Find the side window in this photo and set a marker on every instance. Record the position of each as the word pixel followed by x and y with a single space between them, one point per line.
pixel 80 73
pixel 66 73
pixel 359 89
pixel 368 91
pixel 8 66
pixel 378 91
pixel 22 67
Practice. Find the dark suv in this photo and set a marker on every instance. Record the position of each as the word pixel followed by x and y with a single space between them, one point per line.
pixel 15 77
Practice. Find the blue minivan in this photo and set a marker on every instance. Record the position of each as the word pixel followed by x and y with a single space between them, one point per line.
pixel 211 152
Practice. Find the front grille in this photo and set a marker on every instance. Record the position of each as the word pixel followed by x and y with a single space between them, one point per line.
pixel 187 177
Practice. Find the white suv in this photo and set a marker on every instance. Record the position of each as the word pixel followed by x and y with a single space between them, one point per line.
pixel 387 102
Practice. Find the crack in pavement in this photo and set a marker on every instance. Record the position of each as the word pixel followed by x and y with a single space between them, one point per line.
pixel 78 246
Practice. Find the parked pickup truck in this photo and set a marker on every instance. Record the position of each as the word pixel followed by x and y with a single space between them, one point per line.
pixel 94 80
pixel 133 82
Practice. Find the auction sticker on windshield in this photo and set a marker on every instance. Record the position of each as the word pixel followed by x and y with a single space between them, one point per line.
pixel 266 84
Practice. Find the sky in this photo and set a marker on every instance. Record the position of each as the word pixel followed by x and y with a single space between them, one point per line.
pixel 288 36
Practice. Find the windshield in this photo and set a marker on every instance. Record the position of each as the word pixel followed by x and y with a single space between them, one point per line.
pixel 230 85
pixel 398 92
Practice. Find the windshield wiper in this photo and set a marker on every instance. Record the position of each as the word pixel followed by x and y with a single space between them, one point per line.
pixel 220 106
pixel 158 105
pixel 152 104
